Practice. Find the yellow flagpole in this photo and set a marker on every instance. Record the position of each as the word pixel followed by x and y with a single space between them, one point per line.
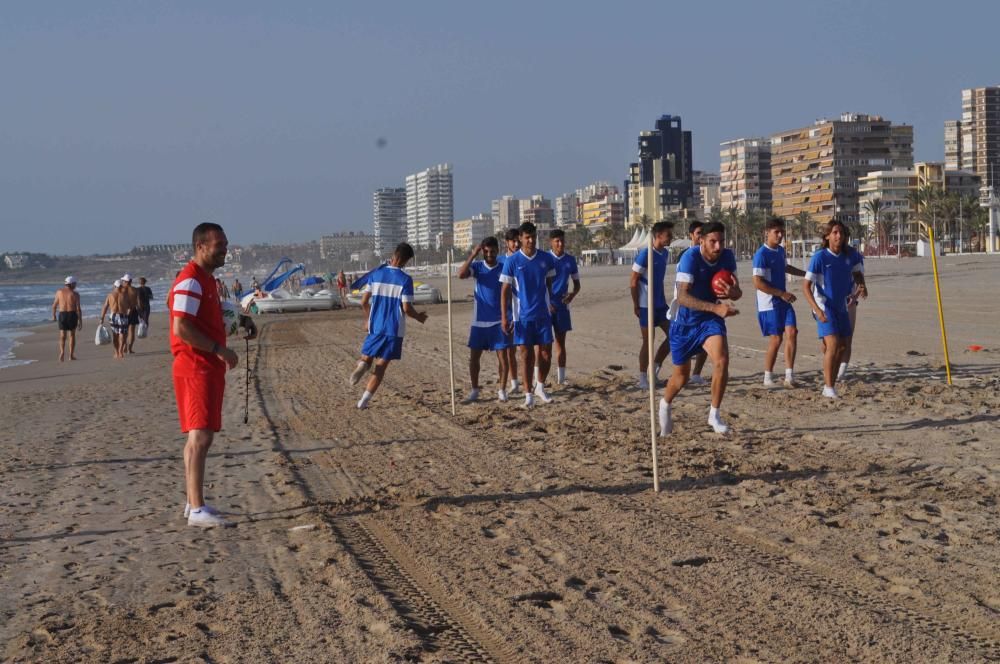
pixel 937 289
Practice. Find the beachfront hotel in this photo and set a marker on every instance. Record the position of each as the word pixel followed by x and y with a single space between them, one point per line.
pixel 816 169
pixel 430 206
pixel 389 217
pixel 973 143
pixel 662 181
pixel 745 175
pixel 472 230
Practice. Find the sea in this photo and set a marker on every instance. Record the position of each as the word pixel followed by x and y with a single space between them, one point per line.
pixel 27 306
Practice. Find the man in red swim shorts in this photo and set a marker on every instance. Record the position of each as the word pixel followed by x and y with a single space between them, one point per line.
pixel 198 344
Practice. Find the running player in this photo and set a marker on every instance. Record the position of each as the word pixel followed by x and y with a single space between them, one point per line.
pixel 833 273
pixel 486 332
pixel 388 297
pixel 694 235
pixel 774 304
pixel 700 323
pixel 512 244
pixel 566 270
pixel 529 273
pixel 662 233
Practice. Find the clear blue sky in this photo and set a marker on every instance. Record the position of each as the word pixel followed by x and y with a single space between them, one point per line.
pixel 127 123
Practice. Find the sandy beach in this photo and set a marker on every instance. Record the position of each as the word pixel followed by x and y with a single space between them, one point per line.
pixel 858 530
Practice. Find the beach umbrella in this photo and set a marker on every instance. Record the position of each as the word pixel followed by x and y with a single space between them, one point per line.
pixel 312 281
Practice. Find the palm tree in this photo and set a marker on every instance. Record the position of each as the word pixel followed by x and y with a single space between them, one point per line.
pixel 716 215
pixel 644 222
pixel 874 207
pixel 803 223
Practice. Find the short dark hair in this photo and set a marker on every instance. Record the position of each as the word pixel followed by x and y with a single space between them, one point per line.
pixel 527 228
pixel 774 222
pixel 662 227
pixel 201 232
pixel 491 242
pixel 713 227
pixel 510 234
pixel 142 280
pixel 403 251
pixel 695 225
pixel 557 232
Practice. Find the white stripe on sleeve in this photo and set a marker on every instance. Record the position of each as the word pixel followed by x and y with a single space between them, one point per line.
pixel 685 278
pixel 189 285
pixel 860 267
pixel 186 304
pixel 506 279
pixel 811 276
pixel 641 269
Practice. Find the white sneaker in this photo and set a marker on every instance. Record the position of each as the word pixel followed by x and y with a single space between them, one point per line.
pixel 643 382
pixel 358 372
pixel 696 379
pixel 204 519
pixel 769 383
pixel 502 396
pixel 208 508
pixel 540 393
pixel 666 420
pixel 473 396
pixel 362 405
pixel 829 392
pixel 789 382
pixel 717 424
pixel 529 401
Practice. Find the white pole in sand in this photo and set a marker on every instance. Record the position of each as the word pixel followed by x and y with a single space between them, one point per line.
pixel 650 372
pixel 451 351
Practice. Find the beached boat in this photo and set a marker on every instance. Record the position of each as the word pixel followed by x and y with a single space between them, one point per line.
pixel 422 294
pixel 282 301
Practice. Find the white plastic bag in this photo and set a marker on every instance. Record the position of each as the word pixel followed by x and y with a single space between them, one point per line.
pixel 141 330
pixel 102 337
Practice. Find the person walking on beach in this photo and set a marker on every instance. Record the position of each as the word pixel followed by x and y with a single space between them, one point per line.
pixel 133 316
pixel 342 288
pixel 387 299
pixel 67 312
pixel 698 362
pixel 662 232
pixel 117 307
pixel 238 289
pixel 529 274
pixel 511 243
pixel 566 271
pixel 145 294
pixel 775 313
pixel 486 333
pixel 835 273
pixel 700 323
pixel 201 358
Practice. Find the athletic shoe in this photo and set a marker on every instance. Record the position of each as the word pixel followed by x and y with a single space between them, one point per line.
pixel 829 392
pixel 769 383
pixel 473 396
pixel 717 424
pixel 358 372
pixel 204 519
pixel 696 379
pixel 206 507
pixel 643 382
pixel 529 401
pixel 666 420
pixel 502 396
pixel 362 405
pixel 540 393
pixel 789 382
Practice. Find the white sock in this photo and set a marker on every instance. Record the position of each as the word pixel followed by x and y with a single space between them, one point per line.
pixel 788 374
pixel 561 374
pixel 843 370
pixel 513 385
pixel 536 375
pixel 713 413
pixel 365 398
pixel 473 394
pixel 768 376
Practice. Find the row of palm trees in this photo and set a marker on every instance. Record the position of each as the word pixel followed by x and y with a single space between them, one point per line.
pixel 958 221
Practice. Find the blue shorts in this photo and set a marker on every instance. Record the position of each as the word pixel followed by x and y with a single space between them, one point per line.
pixel 561 320
pixel 659 316
pixel 838 322
pixel 686 340
pixel 532 333
pixel 488 338
pixel 382 347
pixel 774 322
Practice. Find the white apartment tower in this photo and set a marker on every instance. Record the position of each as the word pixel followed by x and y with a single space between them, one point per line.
pixel 430 206
pixel 389 212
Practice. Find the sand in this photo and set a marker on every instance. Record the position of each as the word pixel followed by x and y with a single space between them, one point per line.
pixel 863 530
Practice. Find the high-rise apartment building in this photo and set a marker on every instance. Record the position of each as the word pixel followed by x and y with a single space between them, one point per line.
pixel 974 143
pixel 567 210
pixel 953 145
pixel 608 210
pixel 816 169
pixel 506 213
pixel 389 212
pixel 538 210
pixel 662 180
pixel 429 206
pixel 745 174
pixel 468 232
pixel 705 187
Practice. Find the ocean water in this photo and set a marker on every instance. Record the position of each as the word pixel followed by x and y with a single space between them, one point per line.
pixel 29 306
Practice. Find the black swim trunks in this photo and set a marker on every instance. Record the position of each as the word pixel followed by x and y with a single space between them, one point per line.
pixel 133 317
pixel 68 321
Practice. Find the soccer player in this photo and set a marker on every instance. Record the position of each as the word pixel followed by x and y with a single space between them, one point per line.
pixel 775 313
pixel 529 273
pixel 486 332
pixel 387 299
pixel 566 271
pixel 700 322
pixel 835 272
pixel 512 243
pixel 662 233
pixel 694 234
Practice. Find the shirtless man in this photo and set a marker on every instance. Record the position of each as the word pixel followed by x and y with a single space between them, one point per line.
pixel 118 304
pixel 66 309
pixel 133 316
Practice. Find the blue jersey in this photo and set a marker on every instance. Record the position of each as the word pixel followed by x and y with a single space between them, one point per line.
pixel 390 287
pixel 660 260
pixel 832 276
pixel 696 271
pixel 566 271
pixel 528 277
pixel 486 300
pixel 769 264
